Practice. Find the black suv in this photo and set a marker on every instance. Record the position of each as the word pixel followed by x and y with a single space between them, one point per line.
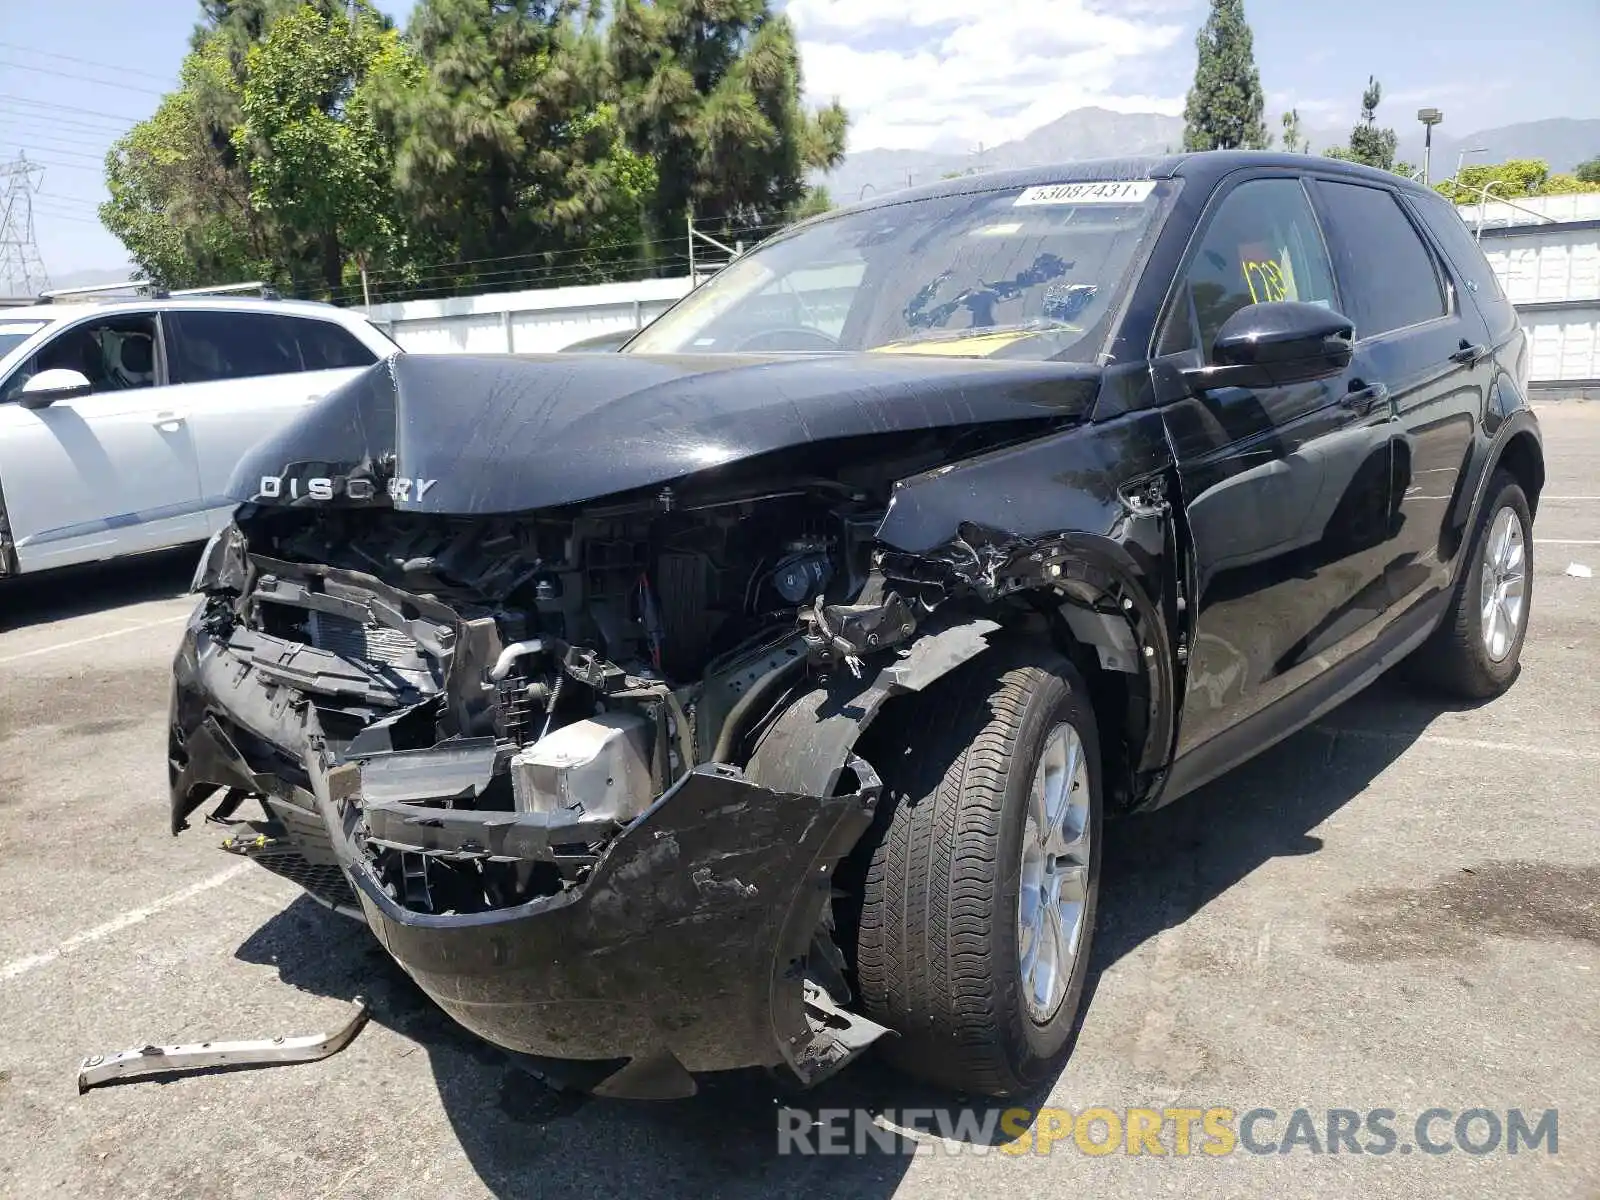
pixel 757 692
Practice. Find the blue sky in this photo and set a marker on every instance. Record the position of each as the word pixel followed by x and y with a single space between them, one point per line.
pixel 913 73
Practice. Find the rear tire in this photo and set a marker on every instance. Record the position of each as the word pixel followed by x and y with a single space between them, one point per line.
pixel 1475 652
pixel 967 771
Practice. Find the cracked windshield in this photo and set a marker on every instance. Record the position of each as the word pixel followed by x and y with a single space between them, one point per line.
pixel 1026 273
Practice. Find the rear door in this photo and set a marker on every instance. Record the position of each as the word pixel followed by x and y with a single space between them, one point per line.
pixel 244 374
pixel 1286 490
pixel 1420 334
pixel 113 472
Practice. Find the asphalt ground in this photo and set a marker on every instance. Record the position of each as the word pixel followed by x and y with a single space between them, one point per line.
pixel 1396 909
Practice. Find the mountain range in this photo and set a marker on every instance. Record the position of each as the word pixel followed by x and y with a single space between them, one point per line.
pixel 1563 142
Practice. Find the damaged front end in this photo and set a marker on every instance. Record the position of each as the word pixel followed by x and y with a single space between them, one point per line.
pixel 586 774
pixel 585 751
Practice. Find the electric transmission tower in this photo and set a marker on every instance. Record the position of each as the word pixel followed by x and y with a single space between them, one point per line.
pixel 22 270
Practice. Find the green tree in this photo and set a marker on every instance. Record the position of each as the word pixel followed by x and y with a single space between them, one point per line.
pixel 711 91
pixel 1294 140
pixel 1514 179
pixel 1368 144
pixel 1588 172
pixel 309 140
pixel 184 214
pixel 504 146
pixel 1224 107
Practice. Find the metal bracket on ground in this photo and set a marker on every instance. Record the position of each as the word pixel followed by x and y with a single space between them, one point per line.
pixel 100 1069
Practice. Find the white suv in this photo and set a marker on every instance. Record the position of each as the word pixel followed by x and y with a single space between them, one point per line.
pixel 120 422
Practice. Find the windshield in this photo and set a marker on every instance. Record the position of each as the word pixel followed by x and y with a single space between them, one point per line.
pixel 1031 273
pixel 14 333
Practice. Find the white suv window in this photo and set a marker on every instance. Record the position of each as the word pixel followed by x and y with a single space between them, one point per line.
pixel 115 352
pixel 14 333
pixel 207 346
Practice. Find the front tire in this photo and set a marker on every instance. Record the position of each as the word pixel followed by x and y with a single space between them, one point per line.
pixel 979 899
pixel 1474 654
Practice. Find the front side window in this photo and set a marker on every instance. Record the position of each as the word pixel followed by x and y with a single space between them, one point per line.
pixel 114 353
pixel 1261 244
pixel 1028 273
pixel 1380 258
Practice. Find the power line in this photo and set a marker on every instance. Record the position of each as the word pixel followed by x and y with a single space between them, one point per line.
pixel 99 158
pixel 119 118
pixel 129 87
pixel 87 62
pixel 61 166
pixel 18 131
pixel 56 215
pixel 33 120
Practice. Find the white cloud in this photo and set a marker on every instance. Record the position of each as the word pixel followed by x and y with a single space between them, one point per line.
pixel 915 74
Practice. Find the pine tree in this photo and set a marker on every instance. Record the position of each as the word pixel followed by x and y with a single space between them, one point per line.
pixel 1225 104
pixel 1368 144
pixel 711 90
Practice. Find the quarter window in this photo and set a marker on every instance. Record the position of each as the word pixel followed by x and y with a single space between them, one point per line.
pixel 1261 244
pixel 1380 259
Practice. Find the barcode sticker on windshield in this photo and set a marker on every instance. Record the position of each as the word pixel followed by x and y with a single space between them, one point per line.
pixel 1131 191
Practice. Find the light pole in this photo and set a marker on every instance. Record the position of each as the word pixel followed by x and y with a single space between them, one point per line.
pixel 1429 118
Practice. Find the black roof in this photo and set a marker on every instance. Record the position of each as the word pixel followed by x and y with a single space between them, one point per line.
pixel 1204 168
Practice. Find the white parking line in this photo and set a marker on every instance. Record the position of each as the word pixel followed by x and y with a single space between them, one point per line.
pixel 1544 749
pixel 99 637
pixel 116 924
pixel 1542 499
pixel 1566 541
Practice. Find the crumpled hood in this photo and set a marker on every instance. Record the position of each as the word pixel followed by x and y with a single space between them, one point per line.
pixel 459 434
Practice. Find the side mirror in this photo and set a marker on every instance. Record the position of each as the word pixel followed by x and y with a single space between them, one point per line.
pixel 1276 343
pixel 58 383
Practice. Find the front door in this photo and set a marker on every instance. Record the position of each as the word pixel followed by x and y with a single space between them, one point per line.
pixel 113 472
pixel 1286 490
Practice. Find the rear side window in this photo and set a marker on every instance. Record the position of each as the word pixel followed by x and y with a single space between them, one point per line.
pixel 1459 248
pixel 1385 271
pixel 209 346
pixel 1261 244
pixel 325 346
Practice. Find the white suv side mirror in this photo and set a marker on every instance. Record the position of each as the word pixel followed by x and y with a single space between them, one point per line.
pixel 58 383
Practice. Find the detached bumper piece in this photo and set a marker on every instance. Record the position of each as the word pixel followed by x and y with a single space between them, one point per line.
pixel 684 950
pixel 100 1069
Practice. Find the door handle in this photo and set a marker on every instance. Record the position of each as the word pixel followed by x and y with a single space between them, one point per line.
pixel 1364 397
pixel 168 422
pixel 1469 353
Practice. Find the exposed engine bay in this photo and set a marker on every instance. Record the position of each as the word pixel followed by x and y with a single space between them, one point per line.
pixel 527 665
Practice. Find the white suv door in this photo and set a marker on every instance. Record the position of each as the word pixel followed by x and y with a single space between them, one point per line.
pixel 113 472
pixel 240 376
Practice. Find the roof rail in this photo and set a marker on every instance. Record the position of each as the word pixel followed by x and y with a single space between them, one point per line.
pixel 137 285
pixel 145 287
pixel 267 291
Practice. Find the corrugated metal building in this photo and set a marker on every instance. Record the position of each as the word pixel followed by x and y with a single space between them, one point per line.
pixel 1546 253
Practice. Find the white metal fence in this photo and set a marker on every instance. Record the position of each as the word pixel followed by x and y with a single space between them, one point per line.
pixel 530 322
